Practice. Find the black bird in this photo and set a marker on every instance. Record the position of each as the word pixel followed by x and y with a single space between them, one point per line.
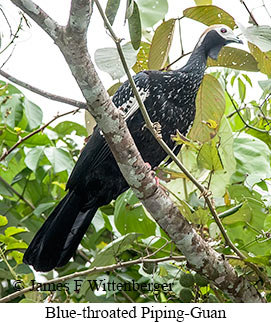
pixel 169 98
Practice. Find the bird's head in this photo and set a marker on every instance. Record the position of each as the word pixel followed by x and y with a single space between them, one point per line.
pixel 215 37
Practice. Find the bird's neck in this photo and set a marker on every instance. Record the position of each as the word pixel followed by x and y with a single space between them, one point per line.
pixel 196 62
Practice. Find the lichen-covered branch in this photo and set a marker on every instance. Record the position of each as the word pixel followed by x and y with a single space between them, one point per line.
pixel 49 25
pixel 200 256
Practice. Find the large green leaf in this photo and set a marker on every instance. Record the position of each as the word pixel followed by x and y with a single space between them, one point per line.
pixel 210 105
pixel 111 10
pixel 152 11
pixel 258 35
pixel 161 44
pixel 253 159
pixel 235 58
pixel 130 216
pixel 221 178
pixel 208 156
pixel 263 59
pixel 12 109
pixel 3 220
pixel 59 159
pixel 67 127
pixel 33 113
pixel 32 158
pixel 245 235
pixel 135 27
pixel 142 58
pixel 209 15
pixel 108 60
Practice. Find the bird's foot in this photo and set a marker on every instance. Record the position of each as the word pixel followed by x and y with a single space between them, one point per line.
pixel 206 193
pixel 158 129
pixel 149 168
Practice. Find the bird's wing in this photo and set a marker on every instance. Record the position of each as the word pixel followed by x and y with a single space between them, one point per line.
pixel 96 150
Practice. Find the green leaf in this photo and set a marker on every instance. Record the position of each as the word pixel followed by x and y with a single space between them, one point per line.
pixel 203 2
pixel 10 231
pixel 161 44
pixel 59 159
pixel 33 157
pixel 258 35
pixel 210 105
pixel 108 60
pixel 10 89
pixel 135 27
pixel 208 156
pixel 111 10
pixel 33 113
pixel 221 178
pixel 12 110
pixel 263 59
pixel 3 220
pixel 209 15
pixel 152 11
pixel 252 157
pixel 242 215
pixel 260 260
pixel 107 255
pixel 112 90
pixel 241 89
pixel 43 207
pixel 236 58
pixel 130 215
pixel 67 127
pixel 267 223
pixel 142 58
pixel 39 139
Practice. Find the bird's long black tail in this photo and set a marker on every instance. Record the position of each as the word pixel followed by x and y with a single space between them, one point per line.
pixel 58 238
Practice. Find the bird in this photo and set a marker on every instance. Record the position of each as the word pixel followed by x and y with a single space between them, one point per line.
pixel 96 180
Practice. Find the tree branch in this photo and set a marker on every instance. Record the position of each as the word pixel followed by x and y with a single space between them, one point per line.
pixel 48 24
pixel 45 94
pixel 22 139
pixel 95 270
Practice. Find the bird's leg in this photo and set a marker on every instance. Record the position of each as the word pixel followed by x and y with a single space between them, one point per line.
pixel 158 129
pixel 153 173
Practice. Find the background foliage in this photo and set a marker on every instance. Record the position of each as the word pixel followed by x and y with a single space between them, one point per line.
pixel 229 151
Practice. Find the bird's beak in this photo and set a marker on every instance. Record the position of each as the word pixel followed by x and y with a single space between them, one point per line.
pixel 234 39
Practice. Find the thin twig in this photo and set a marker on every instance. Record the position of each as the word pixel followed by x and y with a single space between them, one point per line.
pixel 176 60
pixel 241 117
pixel 48 95
pixel 14 36
pixel 249 12
pixel 22 139
pixel 90 271
pixel 17 193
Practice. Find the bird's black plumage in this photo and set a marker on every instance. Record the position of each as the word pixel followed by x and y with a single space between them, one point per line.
pixel 169 98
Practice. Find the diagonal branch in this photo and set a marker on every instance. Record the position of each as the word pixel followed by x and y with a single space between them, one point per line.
pixel 43 93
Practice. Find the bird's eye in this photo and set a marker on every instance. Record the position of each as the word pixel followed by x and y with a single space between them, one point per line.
pixel 223 30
